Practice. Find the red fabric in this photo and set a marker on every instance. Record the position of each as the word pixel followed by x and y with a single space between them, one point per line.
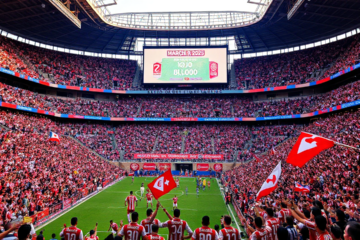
pixel 218 167
pixel 164 166
pixel 134 166
pixel 149 166
pixel 309 146
pixel 202 166
pixel 162 185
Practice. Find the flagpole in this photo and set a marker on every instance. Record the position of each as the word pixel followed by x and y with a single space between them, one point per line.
pixel 337 143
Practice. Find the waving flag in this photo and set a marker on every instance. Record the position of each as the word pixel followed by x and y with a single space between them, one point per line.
pixel 162 185
pixel 301 188
pixel 54 137
pixel 256 157
pixel 272 151
pixel 306 147
pixel 270 183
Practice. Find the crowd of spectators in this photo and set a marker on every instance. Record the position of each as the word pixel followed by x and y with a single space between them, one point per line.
pixel 251 73
pixel 187 106
pixel 36 173
pixel 333 175
pixel 67 69
pixel 297 67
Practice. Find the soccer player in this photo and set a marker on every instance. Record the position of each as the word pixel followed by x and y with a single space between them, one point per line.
pixel 175 200
pixel 132 231
pixel 176 226
pixel 154 233
pixel 72 232
pixel 209 184
pixel 186 190
pixel 205 232
pixel 197 191
pixel 142 190
pixel 177 182
pixel 93 234
pixel 204 184
pixel 113 226
pixel 132 179
pixel 150 219
pixel 130 203
pixel 228 232
pixel 149 198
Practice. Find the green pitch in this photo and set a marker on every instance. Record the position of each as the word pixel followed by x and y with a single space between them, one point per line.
pixel 109 205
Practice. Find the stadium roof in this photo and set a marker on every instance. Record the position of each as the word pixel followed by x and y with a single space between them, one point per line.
pixel 315 20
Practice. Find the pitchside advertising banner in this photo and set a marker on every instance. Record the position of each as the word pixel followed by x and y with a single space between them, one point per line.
pixel 178 156
pixel 185 65
pixel 218 167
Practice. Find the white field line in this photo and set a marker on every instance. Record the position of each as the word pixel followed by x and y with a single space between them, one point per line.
pixel 229 209
pixel 71 208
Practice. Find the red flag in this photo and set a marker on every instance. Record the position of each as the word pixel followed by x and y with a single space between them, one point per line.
pixel 272 151
pixel 306 147
pixel 162 185
pixel 270 183
pixel 256 158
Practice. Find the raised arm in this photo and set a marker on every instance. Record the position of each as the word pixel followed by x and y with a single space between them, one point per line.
pixel 154 214
pixel 166 212
pixel 95 229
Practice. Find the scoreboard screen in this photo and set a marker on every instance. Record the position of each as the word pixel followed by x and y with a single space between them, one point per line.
pixel 185 65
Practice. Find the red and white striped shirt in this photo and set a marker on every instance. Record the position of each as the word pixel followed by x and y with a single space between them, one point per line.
pixel 205 233
pixel 130 200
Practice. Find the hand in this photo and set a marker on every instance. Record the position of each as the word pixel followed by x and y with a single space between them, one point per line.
pixel 121 223
pixel 16 226
pixel 157 205
pixel 96 224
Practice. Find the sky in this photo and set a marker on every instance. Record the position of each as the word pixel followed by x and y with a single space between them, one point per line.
pixel 137 6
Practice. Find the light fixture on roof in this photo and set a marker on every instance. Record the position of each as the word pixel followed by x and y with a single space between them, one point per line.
pixel 293 10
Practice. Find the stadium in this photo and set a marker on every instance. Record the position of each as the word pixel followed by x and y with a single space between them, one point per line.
pixel 176 120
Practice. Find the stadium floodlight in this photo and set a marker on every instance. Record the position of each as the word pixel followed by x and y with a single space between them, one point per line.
pixel 64 10
pixel 295 7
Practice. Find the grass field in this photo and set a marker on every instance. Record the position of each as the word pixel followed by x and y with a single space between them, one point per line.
pixel 109 205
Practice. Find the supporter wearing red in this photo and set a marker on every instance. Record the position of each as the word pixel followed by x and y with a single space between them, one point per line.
pixel 113 227
pixel 176 226
pixel 154 233
pixel 72 232
pixel 92 234
pixel 150 220
pixel 309 223
pixel 229 232
pixel 205 232
pixel 273 223
pixel 132 231
pixel 283 213
pixel 130 202
pixel 260 232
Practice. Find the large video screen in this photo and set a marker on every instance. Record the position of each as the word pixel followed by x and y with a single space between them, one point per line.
pixel 185 65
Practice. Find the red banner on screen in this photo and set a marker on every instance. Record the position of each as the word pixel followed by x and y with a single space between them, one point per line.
pixel 164 166
pixel 179 156
pixel 149 166
pixel 134 166
pixel 218 167
pixel 202 166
